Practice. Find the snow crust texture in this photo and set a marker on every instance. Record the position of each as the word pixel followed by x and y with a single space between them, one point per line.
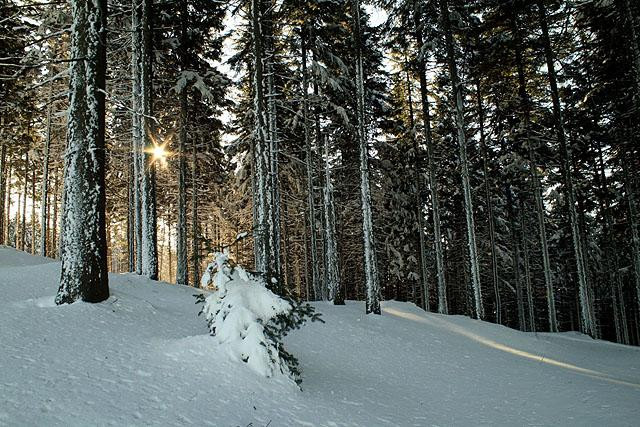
pixel 143 357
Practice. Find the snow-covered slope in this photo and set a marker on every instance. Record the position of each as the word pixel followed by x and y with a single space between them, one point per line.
pixel 143 357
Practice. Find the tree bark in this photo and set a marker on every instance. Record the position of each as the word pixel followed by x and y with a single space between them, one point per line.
pixel 149 215
pixel 260 149
pixel 45 181
pixel 182 277
pixel 84 243
pixel 370 267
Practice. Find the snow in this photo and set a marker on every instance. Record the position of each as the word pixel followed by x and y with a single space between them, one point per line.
pixel 237 311
pixel 143 357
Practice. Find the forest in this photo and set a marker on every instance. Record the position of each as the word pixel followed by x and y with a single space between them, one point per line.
pixel 472 157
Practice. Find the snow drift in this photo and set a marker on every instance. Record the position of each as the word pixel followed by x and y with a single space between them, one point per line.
pixel 144 358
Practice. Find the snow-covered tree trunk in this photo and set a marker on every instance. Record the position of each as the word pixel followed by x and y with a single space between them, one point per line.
pixel 23 217
pixel 331 245
pixel 131 215
pixel 195 226
pixel 586 309
pixel 3 185
pixel 370 263
pixel 273 194
pixel 84 246
pixel 431 166
pixel 44 188
pixel 148 191
pixel 8 202
pixel 136 130
pixel 456 88
pixel 181 242
pixel 315 276
pixel 260 149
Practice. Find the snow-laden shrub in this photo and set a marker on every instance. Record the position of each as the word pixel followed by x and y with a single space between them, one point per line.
pixel 249 320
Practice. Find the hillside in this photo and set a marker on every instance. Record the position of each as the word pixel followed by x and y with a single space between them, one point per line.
pixel 144 357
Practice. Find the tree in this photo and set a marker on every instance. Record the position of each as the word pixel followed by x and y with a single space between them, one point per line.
pixel 84 246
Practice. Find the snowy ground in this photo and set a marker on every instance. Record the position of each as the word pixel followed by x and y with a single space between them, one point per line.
pixel 143 357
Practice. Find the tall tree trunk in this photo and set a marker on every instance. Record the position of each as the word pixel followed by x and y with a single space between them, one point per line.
pixel 431 166
pixel 131 214
pixel 586 310
pixel 458 99
pixel 136 126
pixel 32 217
pixel 54 228
pixel 23 218
pixel 370 267
pixel 527 272
pixel 331 244
pixel 84 242
pixel 149 216
pixel 417 174
pixel 489 202
pixel 273 194
pixel 182 277
pixel 3 187
pixel 315 276
pixel 195 226
pixel 8 203
pixel 516 260
pixel 260 149
pixel 44 187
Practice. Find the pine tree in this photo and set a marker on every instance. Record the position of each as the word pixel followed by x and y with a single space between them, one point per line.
pixel 84 246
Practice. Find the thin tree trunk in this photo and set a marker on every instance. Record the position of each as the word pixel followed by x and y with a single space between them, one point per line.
pixel 331 244
pixel 273 195
pixel 23 219
pixel 371 268
pixel 45 181
pixel 489 202
pixel 137 144
pixel 516 261
pixel 431 166
pixel 32 218
pixel 149 215
pixel 261 152
pixel 586 309
pixel 417 174
pixel 456 88
pixel 8 203
pixel 182 276
pixel 3 187
pixel 527 272
pixel 54 228
pixel 195 226
pixel 315 276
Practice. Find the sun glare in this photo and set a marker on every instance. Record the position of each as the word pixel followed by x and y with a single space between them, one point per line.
pixel 159 153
